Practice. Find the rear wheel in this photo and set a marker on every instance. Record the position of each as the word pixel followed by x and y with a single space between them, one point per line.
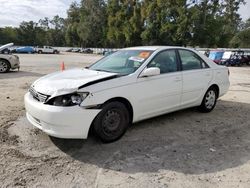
pixel 209 100
pixel 112 122
pixel 4 66
pixel 40 52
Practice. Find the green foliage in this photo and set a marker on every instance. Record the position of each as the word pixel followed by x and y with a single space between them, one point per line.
pixel 45 32
pixel 121 23
pixel 91 25
pixel 241 39
pixel 7 35
pixel 124 23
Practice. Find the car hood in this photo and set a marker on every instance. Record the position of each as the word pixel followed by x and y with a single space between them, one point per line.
pixel 60 83
pixel 6 46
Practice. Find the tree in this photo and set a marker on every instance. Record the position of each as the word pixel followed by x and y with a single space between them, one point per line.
pixel 241 39
pixel 92 22
pixel 71 25
pixel 44 23
pixel 57 32
pixel 231 20
pixel 121 23
pixel 151 22
pixel 27 33
pixel 207 24
pixel 8 34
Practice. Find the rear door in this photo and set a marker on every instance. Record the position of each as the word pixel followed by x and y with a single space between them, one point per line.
pixel 196 76
pixel 161 93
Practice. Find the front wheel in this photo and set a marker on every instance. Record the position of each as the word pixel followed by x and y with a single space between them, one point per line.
pixel 4 66
pixel 209 100
pixel 112 122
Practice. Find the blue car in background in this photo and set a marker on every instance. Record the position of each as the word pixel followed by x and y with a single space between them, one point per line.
pixel 25 49
pixel 216 56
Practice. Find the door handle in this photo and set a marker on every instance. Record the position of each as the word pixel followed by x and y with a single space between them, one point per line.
pixel 177 79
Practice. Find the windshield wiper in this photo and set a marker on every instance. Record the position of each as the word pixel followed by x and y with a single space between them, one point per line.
pixel 103 70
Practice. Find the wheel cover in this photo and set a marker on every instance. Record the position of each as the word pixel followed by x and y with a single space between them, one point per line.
pixel 3 66
pixel 210 99
pixel 111 122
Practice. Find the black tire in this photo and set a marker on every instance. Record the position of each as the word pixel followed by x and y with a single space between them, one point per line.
pixel 209 100
pixel 4 66
pixel 40 52
pixel 112 122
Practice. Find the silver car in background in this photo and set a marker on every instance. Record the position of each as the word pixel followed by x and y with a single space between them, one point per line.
pixel 7 60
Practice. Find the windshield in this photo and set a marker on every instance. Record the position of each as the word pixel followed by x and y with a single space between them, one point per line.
pixel 123 62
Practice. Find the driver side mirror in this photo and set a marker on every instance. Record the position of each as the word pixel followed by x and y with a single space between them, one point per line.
pixel 152 71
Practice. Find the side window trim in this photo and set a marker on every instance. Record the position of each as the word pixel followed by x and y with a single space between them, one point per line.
pixel 179 63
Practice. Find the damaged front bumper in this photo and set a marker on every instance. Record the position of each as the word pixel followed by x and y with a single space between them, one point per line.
pixel 58 121
pixel 14 62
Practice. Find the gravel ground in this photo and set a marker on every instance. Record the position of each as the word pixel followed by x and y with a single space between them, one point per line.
pixel 181 149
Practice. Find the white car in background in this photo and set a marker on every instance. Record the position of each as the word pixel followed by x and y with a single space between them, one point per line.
pixel 127 86
pixel 7 60
pixel 226 56
pixel 46 50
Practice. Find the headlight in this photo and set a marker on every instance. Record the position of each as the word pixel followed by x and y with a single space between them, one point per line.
pixel 68 100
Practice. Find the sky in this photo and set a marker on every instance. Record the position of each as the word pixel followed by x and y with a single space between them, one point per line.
pixel 244 10
pixel 13 12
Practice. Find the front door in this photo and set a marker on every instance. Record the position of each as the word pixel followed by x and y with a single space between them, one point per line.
pixel 161 93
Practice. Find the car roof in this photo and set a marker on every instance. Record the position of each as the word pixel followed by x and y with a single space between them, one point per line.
pixel 154 48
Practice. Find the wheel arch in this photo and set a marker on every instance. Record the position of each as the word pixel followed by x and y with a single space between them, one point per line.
pixel 5 60
pixel 115 99
pixel 125 102
pixel 216 87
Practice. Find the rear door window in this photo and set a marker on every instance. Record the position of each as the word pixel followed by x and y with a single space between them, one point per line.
pixel 191 61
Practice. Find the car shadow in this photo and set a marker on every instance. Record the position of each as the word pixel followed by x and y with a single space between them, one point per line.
pixel 186 141
pixel 19 74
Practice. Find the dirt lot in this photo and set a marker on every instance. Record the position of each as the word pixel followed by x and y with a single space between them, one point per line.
pixel 182 149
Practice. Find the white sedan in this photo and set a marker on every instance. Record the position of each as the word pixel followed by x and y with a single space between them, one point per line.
pixel 127 86
pixel 7 60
